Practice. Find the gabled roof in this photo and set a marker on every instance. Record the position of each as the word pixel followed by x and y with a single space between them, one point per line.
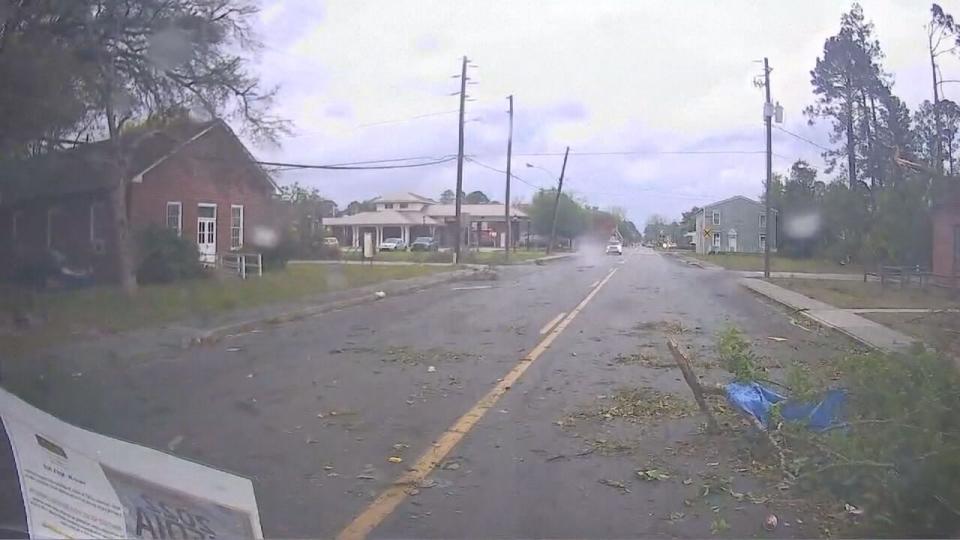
pixel 383 217
pixel 403 197
pixel 735 197
pixel 89 167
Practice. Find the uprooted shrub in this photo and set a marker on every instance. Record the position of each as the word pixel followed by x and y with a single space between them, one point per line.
pixel 165 257
pixel 896 456
pixel 893 457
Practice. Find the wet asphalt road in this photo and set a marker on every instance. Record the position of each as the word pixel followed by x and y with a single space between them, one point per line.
pixel 311 410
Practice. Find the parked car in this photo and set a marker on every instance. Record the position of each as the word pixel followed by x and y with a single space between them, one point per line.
pixel 331 241
pixel 614 248
pixel 393 244
pixel 424 243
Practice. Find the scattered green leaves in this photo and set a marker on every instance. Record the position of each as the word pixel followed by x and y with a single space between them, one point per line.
pixel 737 357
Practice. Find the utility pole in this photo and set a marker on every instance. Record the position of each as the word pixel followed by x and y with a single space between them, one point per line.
pixel 463 97
pixel 506 206
pixel 556 203
pixel 768 119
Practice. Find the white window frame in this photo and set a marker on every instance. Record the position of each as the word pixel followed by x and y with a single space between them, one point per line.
pixel 388 206
pixel 239 226
pixel 762 240
pixel 715 217
pixel 716 240
pixel 166 216
pixel 763 222
pixel 404 205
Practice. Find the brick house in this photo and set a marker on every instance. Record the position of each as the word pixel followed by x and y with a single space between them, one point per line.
pixel 946 242
pixel 195 178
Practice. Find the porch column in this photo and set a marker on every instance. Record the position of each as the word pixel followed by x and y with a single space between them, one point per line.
pixel 355 237
pixel 405 232
pixel 379 234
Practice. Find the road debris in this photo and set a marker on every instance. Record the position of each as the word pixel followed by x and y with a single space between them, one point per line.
pixel 431 369
pixel 615 484
pixel 234 349
pixel 451 466
pixel 777 339
pixel 395 459
pixel 365 477
pixel 652 475
pixel 380 295
pixel 771 522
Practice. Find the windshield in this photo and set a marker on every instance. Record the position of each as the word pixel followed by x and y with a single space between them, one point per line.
pixel 511 269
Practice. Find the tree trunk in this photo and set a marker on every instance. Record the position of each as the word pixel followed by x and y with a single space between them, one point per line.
pixel 120 209
pixel 123 241
pixel 851 147
pixel 937 147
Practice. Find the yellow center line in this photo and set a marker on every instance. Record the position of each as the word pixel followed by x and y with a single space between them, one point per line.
pixel 546 328
pixel 384 505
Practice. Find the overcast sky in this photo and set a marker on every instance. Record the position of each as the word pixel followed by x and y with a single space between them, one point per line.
pixel 656 78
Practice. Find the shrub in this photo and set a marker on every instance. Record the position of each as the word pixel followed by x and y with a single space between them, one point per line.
pixel 898 454
pixel 165 257
pixel 737 357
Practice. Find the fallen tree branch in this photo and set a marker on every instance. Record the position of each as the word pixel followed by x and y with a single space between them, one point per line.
pixel 698 390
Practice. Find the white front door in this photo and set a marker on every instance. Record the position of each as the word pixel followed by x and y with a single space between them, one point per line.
pixel 732 241
pixel 207 233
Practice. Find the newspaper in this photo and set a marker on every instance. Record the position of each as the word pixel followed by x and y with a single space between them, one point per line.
pixel 79 484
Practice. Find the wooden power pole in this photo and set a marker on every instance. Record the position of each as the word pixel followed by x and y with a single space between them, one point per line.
pixel 463 97
pixel 768 119
pixel 556 202
pixel 506 206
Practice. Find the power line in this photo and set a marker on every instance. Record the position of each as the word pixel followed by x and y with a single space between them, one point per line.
pixel 646 152
pixel 411 118
pixel 804 139
pixel 347 166
pixel 501 171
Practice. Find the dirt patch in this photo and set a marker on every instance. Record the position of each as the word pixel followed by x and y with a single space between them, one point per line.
pixel 639 405
pixel 940 330
pixel 674 328
pixel 433 356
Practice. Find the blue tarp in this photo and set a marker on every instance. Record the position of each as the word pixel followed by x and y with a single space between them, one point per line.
pixel 756 400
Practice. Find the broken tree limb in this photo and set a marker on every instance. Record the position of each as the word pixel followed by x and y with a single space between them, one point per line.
pixel 698 390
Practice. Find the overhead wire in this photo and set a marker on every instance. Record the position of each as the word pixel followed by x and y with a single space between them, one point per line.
pixel 492 168
pixel 802 138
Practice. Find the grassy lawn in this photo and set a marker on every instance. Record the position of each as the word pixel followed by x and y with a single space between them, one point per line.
pixel 856 294
pixel 751 261
pixel 938 329
pixel 87 312
pixel 472 257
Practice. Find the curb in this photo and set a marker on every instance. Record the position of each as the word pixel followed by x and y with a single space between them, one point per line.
pixel 694 262
pixel 213 335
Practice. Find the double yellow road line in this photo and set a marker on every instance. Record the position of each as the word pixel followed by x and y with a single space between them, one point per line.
pixel 384 505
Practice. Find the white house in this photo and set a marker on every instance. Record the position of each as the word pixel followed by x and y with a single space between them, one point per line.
pixel 408 215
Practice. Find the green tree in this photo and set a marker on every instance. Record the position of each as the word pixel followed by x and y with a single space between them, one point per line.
pixel 476 197
pixel 571 216
pixel 448 197
pixel 41 96
pixel 846 82
pixel 139 59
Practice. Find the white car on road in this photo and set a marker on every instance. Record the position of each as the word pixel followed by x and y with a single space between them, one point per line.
pixel 615 248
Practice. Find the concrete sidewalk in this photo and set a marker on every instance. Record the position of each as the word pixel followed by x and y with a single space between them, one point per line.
pixel 845 321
